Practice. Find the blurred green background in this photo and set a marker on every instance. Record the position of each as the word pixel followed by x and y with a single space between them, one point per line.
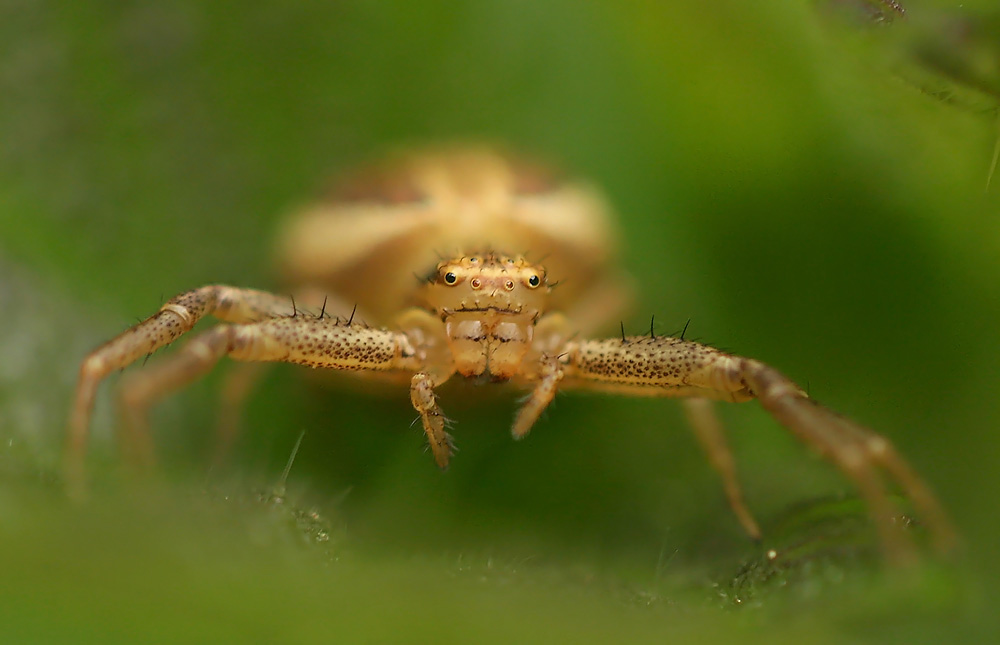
pixel 805 181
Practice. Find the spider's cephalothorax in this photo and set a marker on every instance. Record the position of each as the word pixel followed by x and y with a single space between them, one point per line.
pixel 481 314
pixel 489 304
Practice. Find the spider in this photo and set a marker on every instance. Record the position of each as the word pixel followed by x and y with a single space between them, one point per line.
pixel 483 312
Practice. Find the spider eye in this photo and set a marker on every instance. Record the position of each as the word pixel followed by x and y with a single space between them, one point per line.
pixel 534 280
pixel 450 278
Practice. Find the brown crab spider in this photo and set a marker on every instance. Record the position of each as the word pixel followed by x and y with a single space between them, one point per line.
pixel 483 313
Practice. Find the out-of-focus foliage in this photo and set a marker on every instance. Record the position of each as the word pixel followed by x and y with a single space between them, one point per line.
pixel 807 184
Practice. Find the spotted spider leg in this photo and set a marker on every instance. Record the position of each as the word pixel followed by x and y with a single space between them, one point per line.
pixel 241 379
pixel 671 367
pixel 263 327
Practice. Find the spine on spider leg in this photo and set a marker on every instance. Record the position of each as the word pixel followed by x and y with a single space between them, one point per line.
pixel 658 366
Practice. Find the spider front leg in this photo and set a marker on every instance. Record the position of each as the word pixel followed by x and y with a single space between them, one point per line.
pixel 241 380
pixel 663 366
pixel 707 428
pixel 293 338
pixel 175 318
